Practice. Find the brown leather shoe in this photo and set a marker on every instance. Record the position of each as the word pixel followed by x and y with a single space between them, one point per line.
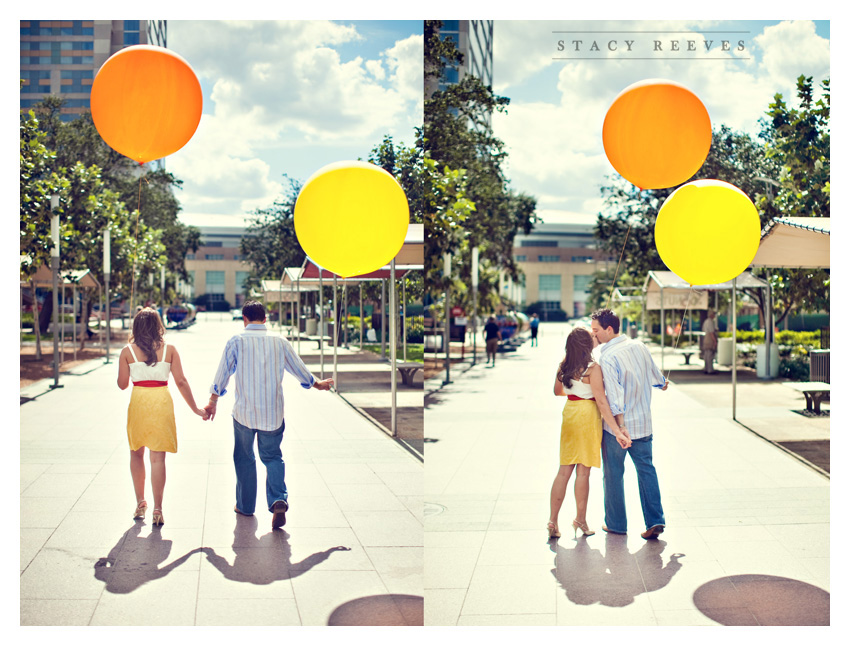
pixel 279 509
pixel 652 532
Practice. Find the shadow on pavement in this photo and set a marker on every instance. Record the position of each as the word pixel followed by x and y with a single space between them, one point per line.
pixel 762 600
pixel 616 578
pixel 273 562
pixel 135 560
pixel 380 610
pixel 262 560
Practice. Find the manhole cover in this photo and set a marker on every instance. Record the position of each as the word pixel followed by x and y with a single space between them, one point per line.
pixel 432 509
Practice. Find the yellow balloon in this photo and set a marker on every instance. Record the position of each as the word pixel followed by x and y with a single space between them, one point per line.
pixel 707 232
pixel 351 217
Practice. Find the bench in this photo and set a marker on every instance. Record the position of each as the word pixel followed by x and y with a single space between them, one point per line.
pixel 687 353
pixel 408 371
pixel 815 392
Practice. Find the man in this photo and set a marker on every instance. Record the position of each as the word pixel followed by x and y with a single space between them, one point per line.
pixel 534 323
pixel 629 374
pixel 259 360
pixel 492 335
pixel 709 342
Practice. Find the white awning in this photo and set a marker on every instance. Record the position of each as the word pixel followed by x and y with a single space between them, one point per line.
pixel 794 242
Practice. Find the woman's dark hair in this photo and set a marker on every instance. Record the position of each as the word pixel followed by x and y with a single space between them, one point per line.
pixel 253 311
pixel 578 348
pixel 147 333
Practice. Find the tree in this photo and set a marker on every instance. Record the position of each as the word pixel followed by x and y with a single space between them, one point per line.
pixel 270 243
pixel 798 145
pixel 467 198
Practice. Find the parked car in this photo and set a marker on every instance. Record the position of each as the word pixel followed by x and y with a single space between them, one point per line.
pixel 237 314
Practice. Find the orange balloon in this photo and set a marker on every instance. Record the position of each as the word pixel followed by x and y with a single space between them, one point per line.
pixel 656 134
pixel 146 102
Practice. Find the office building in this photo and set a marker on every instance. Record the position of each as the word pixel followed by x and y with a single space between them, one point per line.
pixel 558 261
pixel 474 39
pixel 62 57
pixel 217 268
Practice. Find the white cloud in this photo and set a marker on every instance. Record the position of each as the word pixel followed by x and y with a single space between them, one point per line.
pixel 279 88
pixel 553 128
pixel 792 48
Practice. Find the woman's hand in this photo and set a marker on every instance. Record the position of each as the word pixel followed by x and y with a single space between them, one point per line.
pixel 622 435
pixel 202 413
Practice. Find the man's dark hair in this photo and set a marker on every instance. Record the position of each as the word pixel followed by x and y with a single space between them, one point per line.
pixel 253 311
pixel 606 319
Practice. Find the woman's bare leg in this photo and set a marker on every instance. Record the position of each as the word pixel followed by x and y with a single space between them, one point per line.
pixel 157 477
pixel 582 490
pixel 137 471
pixel 559 491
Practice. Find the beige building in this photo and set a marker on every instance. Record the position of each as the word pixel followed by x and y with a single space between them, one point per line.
pixel 216 269
pixel 558 260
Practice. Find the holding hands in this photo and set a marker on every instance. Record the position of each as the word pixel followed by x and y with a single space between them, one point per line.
pixel 202 413
pixel 209 409
pixel 622 435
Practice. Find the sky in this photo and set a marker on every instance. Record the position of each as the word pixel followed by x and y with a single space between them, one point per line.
pixel 289 97
pixel 553 127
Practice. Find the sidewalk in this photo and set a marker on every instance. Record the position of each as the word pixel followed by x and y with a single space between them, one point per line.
pixel 747 539
pixel 350 553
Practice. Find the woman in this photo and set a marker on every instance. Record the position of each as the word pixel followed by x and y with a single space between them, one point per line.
pixel 150 416
pixel 580 380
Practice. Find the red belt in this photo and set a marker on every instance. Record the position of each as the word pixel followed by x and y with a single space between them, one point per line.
pixel 576 398
pixel 150 384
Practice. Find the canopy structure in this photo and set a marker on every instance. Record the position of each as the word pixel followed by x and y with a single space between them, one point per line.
pixel 80 278
pixel 665 290
pixel 311 276
pixel 794 242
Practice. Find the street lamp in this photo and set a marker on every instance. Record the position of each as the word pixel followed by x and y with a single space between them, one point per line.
pixel 474 299
pixel 447 272
pixel 54 265
pixel 107 266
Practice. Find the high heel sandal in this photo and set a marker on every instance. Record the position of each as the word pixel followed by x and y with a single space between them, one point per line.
pixel 553 530
pixel 140 510
pixel 583 527
pixel 157 517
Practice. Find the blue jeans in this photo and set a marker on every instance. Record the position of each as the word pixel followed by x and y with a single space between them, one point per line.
pixel 268 444
pixel 613 467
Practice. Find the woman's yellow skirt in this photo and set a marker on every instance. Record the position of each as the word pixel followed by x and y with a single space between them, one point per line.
pixel 150 420
pixel 581 433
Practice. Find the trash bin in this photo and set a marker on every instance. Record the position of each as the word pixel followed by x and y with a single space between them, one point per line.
pixel 761 361
pixel 724 351
pixel 632 332
pixel 311 326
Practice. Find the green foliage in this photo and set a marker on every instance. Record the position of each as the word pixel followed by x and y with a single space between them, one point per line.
pixel 798 142
pixel 794 368
pixel 97 187
pixel 467 199
pixel 270 243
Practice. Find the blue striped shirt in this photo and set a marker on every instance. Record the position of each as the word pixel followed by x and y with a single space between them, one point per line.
pixel 628 371
pixel 259 360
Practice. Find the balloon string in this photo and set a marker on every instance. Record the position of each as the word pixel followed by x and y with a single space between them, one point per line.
pixel 614 282
pixel 136 247
pixel 681 325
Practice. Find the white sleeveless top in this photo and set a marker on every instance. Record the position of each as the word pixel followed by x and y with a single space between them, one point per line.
pixel 580 389
pixel 140 371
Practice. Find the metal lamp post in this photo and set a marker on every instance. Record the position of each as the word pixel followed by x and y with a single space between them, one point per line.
pixel 107 268
pixel 447 272
pixel 474 299
pixel 54 265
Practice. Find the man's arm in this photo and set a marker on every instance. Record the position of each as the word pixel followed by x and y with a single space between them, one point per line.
pixel 658 378
pixel 226 367
pixel 293 364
